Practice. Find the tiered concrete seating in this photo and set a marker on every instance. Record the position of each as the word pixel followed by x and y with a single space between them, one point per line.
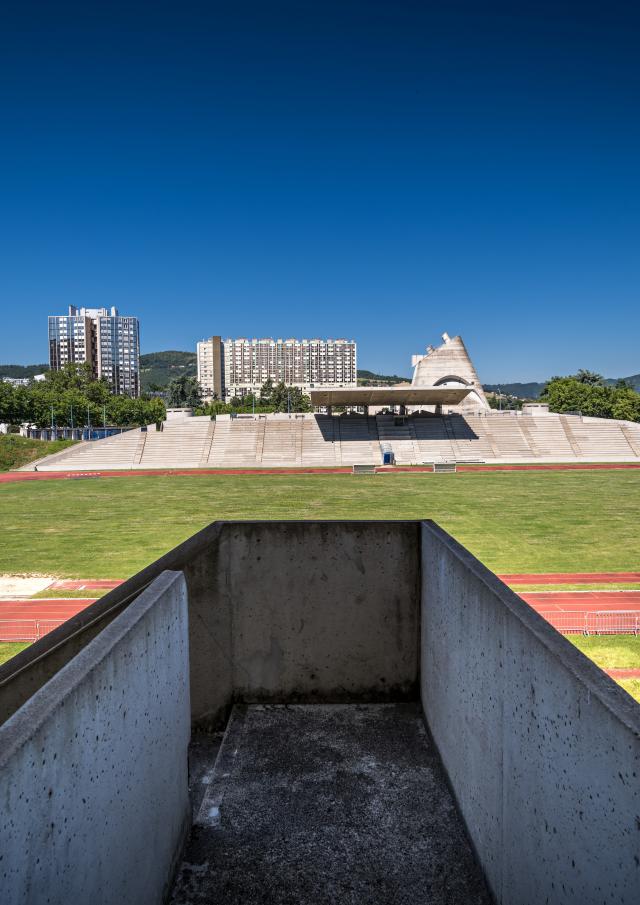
pixel 323 441
pixel 507 437
pixel 358 440
pixel 549 436
pixel 400 437
pixel 280 442
pixel 113 453
pixel 180 443
pixel 599 438
pixel 318 442
pixel 432 439
pixel 469 437
pixel 236 442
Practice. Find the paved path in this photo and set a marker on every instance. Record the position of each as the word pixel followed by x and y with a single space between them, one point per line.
pixel 571 578
pixel 12 477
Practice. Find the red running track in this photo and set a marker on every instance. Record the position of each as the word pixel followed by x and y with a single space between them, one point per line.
pixel 582 601
pixel 571 578
pixel 93 584
pixel 12 477
pixel 44 608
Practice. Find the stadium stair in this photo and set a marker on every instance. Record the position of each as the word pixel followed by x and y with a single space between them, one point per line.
pixel 317 441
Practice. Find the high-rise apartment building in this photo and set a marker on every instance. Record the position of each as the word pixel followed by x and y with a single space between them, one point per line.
pixel 100 336
pixel 236 367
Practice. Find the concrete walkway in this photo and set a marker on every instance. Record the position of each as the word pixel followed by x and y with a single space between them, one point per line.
pixel 356 810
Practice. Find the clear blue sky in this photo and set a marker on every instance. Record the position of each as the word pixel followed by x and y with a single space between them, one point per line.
pixel 378 170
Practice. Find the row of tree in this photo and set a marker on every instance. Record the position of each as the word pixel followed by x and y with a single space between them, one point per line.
pixel 585 392
pixel 278 397
pixel 71 397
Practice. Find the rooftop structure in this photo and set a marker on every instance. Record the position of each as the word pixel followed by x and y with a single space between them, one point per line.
pixel 399 727
pixel 447 368
pixel 237 367
pixel 109 342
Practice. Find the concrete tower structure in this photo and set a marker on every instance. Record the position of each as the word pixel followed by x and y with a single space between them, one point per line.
pixel 450 366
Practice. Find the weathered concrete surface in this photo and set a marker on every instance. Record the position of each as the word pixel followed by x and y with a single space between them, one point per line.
pixel 330 804
pixel 541 748
pixel 93 769
pixel 302 610
pixel 322 611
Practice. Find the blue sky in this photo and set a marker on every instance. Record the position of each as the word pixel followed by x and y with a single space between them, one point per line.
pixel 379 170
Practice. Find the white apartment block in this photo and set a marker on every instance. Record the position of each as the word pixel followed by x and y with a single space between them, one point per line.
pixel 100 336
pixel 237 367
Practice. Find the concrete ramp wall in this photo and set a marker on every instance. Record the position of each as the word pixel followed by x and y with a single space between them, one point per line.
pixel 93 768
pixel 542 749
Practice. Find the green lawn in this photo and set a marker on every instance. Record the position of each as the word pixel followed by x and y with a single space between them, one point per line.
pixel 513 521
pixel 613 652
pixel 610 651
pixel 10 649
pixel 16 451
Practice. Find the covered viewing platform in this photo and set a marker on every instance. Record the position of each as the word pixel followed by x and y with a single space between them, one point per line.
pixel 392 396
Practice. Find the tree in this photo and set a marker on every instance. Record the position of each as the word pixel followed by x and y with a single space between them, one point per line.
pixel 266 392
pixel 588 377
pixel 184 391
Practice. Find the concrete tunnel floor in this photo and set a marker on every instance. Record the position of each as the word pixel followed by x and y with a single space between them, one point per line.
pixel 314 804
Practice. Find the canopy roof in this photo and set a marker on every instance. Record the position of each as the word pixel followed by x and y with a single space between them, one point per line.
pixel 396 395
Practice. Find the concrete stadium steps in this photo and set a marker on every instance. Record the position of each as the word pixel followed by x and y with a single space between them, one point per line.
pixel 180 442
pixel 507 437
pixel 237 443
pixel 324 441
pixel 358 440
pixel 432 438
pixel 549 435
pixel 599 437
pixel 282 442
pixel 319 447
pixel 469 437
pixel 400 437
pixel 112 453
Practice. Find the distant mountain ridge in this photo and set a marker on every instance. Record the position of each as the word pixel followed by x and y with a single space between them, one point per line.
pixel 533 390
pixel 158 368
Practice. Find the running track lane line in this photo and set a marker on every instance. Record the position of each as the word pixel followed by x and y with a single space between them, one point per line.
pixel 54 608
pixel 582 601
pixel 570 578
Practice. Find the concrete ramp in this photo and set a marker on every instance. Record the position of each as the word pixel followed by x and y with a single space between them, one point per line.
pixel 355 809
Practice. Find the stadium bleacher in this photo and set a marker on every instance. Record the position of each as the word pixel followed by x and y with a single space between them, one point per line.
pixel 268 441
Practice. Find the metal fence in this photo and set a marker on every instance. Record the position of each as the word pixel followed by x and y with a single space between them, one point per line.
pixel 26 629
pixel 604 622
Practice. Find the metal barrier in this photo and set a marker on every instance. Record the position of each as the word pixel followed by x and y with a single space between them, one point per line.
pixel 363 469
pixel 444 467
pixel 603 622
pixel 27 629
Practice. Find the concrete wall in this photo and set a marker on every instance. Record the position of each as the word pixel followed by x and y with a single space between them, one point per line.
pixel 303 610
pixel 542 749
pixel 93 769
pixel 321 610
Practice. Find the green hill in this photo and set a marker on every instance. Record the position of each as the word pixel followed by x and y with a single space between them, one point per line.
pixel 158 368
pixel 22 372
pixel 370 378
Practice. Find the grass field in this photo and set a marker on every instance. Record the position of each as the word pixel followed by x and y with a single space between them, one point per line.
pixel 613 652
pixel 610 651
pixel 16 451
pixel 513 521
pixel 10 649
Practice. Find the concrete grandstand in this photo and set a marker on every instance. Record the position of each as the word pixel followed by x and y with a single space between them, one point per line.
pixel 441 416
